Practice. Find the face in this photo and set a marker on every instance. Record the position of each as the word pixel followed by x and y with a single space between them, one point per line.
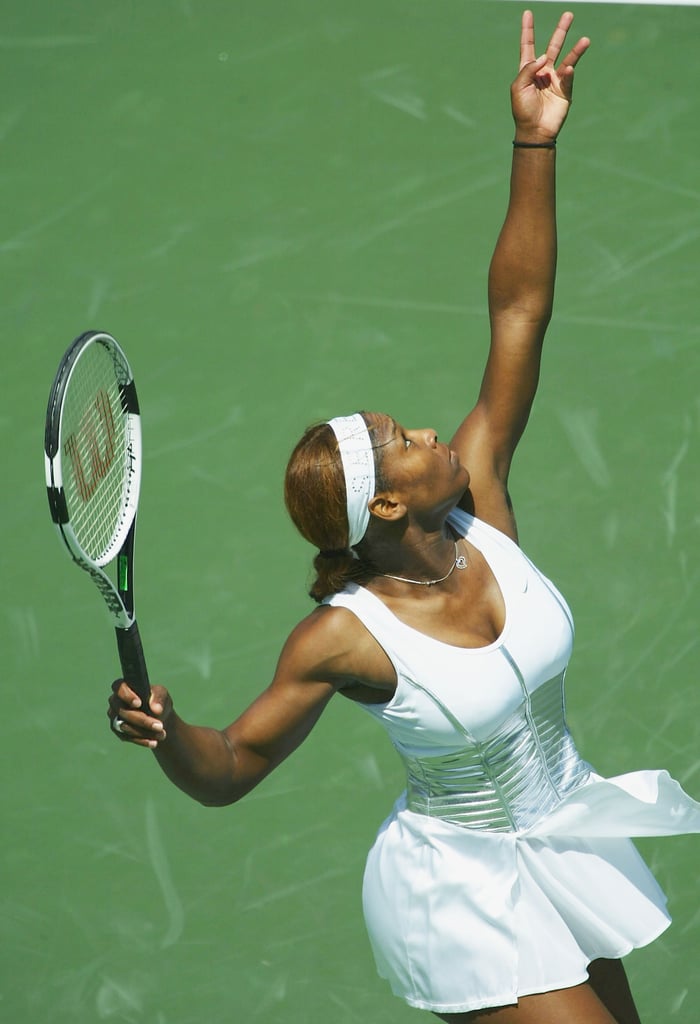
pixel 419 469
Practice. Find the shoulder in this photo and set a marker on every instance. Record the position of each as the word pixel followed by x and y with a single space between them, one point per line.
pixel 324 644
pixel 331 645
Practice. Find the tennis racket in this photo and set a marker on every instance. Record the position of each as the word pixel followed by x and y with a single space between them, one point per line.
pixel 92 448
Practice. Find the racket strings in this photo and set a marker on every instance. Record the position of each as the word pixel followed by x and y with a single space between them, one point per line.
pixel 95 448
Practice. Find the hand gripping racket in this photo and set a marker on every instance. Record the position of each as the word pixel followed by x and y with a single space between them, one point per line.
pixel 92 450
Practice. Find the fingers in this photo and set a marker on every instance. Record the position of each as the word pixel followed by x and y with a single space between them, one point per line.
pixel 555 45
pixel 124 694
pixel 142 730
pixel 128 722
pixel 558 37
pixel 565 70
pixel 527 39
pixel 576 52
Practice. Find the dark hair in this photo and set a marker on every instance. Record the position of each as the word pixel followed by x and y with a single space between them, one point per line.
pixel 315 496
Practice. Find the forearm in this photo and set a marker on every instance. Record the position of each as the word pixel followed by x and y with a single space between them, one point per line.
pixel 200 761
pixel 523 267
pixel 218 767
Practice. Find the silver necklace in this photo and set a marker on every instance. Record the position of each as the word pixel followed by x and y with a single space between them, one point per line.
pixel 460 562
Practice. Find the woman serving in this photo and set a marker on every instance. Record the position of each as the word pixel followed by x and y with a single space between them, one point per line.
pixel 504 886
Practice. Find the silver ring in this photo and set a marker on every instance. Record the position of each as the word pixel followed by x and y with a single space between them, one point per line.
pixel 118 726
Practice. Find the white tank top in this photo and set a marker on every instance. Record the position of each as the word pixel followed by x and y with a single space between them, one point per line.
pixel 482 731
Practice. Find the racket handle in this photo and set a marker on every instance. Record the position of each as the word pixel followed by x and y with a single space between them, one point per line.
pixel 133 662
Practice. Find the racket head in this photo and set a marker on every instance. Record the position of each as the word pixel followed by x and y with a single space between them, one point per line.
pixel 92 448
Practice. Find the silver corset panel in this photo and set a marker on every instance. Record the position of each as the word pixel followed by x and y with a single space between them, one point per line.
pixel 509 781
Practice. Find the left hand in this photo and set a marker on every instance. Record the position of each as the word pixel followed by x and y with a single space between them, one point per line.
pixel 541 94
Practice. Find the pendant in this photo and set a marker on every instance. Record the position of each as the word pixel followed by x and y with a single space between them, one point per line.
pixel 460 562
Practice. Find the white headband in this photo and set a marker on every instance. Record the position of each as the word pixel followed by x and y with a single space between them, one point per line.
pixel 356 453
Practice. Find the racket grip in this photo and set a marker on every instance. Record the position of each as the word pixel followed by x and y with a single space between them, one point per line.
pixel 133 662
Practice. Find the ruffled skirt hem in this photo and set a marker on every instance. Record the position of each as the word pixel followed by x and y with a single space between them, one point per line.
pixel 508 999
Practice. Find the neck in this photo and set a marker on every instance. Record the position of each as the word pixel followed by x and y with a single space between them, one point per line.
pixel 423 558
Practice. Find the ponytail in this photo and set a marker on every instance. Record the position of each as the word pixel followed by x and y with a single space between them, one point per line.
pixel 334 570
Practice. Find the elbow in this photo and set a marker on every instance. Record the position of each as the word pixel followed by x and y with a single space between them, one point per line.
pixel 224 795
pixel 234 780
pixel 224 788
pixel 221 798
pixel 214 801
pixel 529 311
pixel 217 801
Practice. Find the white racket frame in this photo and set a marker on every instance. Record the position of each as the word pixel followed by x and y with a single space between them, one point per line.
pixel 123 617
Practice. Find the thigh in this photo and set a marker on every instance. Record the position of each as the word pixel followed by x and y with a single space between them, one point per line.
pixel 609 982
pixel 577 1005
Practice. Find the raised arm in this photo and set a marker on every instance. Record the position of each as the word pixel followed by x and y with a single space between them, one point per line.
pixel 522 272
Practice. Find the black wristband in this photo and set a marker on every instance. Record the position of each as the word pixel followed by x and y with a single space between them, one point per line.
pixel 535 145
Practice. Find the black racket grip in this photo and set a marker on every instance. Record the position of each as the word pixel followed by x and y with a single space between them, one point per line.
pixel 133 662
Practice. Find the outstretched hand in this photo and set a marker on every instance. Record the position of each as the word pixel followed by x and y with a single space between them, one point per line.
pixel 541 94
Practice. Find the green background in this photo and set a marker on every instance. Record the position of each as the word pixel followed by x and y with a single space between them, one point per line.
pixel 285 211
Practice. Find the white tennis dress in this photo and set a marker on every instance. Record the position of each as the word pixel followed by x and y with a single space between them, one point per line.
pixel 505 866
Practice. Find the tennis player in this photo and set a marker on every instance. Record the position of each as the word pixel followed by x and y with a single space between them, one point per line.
pixel 504 886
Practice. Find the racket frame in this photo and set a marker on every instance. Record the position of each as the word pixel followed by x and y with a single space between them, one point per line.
pixel 118 598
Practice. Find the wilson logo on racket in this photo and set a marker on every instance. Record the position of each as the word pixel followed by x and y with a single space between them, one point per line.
pixel 93 445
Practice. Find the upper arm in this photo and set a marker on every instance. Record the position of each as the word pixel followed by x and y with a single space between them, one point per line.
pixel 494 427
pixel 487 438
pixel 284 714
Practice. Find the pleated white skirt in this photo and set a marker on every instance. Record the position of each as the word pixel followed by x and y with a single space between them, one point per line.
pixel 463 919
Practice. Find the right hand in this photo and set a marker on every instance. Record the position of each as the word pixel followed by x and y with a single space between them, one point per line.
pixel 132 725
